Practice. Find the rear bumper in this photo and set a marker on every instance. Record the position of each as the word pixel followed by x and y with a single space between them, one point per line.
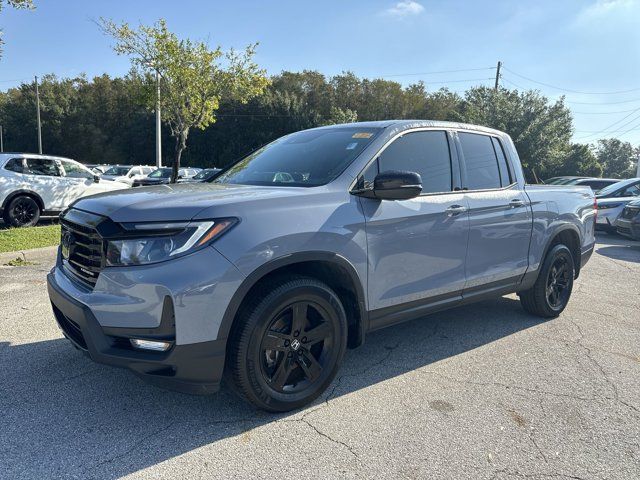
pixel 192 368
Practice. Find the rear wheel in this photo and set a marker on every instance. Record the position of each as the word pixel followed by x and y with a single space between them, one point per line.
pixel 22 211
pixel 288 345
pixel 550 294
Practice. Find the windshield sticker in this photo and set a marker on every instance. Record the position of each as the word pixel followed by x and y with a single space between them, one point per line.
pixel 351 146
pixel 362 135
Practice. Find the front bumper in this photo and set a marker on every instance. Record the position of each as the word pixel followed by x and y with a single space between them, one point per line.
pixel 628 228
pixel 192 368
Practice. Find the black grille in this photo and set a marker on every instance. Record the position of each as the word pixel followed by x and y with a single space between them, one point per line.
pixel 82 251
pixel 630 212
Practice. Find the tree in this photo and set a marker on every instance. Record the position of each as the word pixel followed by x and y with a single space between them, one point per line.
pixel 578 160
pixel 194 79
pixel 18 4
pixel 618 158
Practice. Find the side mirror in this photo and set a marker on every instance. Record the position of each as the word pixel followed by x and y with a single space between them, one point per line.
pixel 395 185
pixel 96 178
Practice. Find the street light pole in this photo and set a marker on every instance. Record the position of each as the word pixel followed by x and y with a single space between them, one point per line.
pixel 158 124
pixel 1 141
pixel 39 125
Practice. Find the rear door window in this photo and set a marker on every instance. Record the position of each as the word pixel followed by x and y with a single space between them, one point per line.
pixel 480 160
pixel 15 165
pixel 42 166
pixel 73 170
pixel 426 153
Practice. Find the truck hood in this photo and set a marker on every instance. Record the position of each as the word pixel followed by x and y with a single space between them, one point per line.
pixel 176 202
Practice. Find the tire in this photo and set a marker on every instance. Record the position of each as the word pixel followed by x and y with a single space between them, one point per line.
pixel 288 344
pixel 22 211
pixel 550 294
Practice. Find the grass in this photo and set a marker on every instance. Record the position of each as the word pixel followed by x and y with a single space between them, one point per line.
pixel 14 239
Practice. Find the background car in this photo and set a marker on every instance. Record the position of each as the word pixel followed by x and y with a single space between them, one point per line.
pixel 202 176
pixel 33 185
pixel 628 223
pixel 596 184
pixel 163 175
pixel 562 180
pixel 612 200
pixel 98 169
pixel 127 173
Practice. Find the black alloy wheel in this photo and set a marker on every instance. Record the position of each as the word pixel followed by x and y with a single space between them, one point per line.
pixel 23 211
pixel 550 294
pixel 287 344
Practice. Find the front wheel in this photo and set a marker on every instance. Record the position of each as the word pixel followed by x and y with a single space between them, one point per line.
pixel 22 211
pixel 550 294
pixel 288 344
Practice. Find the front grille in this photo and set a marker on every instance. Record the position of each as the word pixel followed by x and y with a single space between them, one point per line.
pixel 82 251
pixel 624 230
pixel 630 212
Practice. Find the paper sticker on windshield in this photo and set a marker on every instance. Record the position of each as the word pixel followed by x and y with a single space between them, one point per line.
pixel 362 135
pixel 351 146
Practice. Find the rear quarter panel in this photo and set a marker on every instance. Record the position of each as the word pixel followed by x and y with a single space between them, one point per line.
pixel 556 208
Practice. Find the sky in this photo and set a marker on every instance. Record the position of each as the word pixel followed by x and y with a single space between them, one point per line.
pixel 587 50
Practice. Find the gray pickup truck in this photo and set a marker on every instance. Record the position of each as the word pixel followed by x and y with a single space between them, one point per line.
pixel 267 273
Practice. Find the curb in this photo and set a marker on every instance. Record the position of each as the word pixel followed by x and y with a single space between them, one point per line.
pixel 33 255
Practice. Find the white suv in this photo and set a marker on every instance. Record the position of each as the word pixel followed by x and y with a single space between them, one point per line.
pixel 127 173
pixel 32 185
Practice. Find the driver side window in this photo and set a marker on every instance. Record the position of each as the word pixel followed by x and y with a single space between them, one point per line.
pixel 426 153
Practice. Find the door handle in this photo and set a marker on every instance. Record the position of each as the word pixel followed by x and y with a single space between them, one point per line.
pixel 454 210
pixel 516 202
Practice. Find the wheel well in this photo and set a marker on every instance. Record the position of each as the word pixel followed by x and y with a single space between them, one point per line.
pixel 571 239
pixel 25 193
pixel 335 276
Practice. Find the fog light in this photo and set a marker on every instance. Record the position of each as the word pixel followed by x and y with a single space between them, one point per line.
pixel 150 345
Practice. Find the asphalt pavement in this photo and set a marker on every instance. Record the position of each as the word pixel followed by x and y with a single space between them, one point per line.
pixel 483 391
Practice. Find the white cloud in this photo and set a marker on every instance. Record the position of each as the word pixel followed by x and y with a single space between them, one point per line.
pixel 404 8
pixel 605 7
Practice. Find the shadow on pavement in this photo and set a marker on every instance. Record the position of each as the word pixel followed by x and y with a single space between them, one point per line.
pixel 65 415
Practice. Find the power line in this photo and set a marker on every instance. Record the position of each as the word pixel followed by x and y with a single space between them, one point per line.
pixel 606 129
pixel 568 89
pixel 438 72
pixel 604 113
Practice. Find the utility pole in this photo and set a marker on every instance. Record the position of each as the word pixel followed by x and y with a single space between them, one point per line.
pixel 637 168
pixel 1 142
pixel 497 75
pixel 39 125
pixel 158 124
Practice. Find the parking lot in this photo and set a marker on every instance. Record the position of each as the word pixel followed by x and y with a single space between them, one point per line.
pixel 484 391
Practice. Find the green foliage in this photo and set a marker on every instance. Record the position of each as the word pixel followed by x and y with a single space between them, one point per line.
pixel 617 158
pixel 194 78
pixel 579 160
pixel 111 120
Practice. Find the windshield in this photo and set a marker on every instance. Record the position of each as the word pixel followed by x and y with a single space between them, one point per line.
pixel 303 159
pixel 615 186
pixel 160 173
pixel 118 171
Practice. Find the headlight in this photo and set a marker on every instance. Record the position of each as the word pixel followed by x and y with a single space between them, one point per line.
pixel 154 242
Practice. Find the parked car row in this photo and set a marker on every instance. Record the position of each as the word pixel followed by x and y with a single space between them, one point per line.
pixel 596 184
pixel 613 196
pixel 33 185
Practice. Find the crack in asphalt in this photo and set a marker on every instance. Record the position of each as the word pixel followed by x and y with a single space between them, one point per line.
pixel 515 473
pixel 600 368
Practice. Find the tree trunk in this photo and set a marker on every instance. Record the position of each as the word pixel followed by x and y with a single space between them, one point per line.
pixel 181 144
